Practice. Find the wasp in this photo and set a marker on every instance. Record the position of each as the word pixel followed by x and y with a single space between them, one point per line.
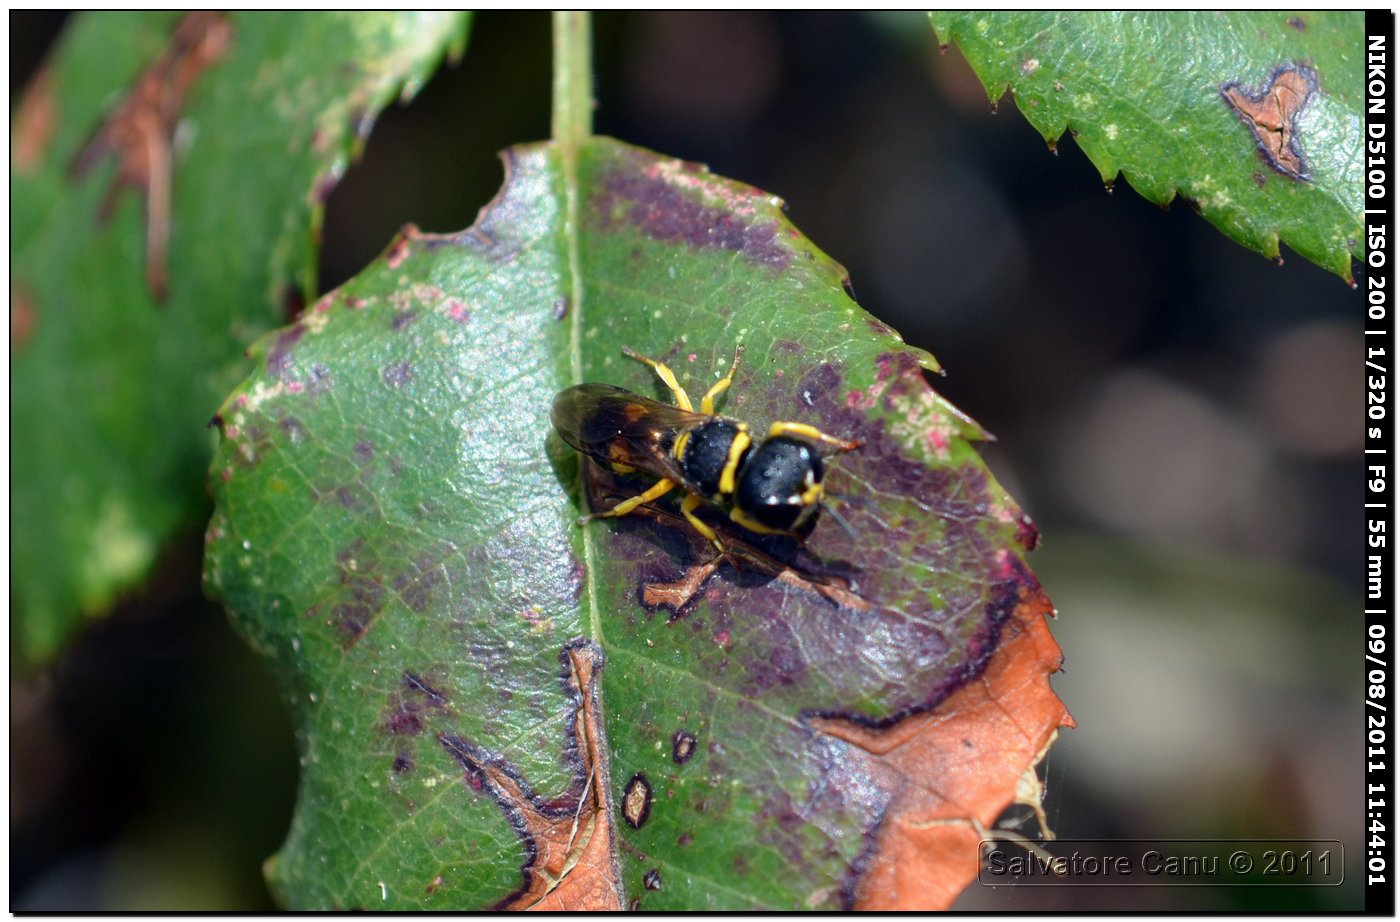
pixel 771 485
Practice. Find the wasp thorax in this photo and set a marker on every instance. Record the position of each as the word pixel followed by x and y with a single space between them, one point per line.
pixel 707 452
pixel 780 483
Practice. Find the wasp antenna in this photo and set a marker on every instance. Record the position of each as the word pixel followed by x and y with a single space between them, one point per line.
pixel 834 448
pixel 840 520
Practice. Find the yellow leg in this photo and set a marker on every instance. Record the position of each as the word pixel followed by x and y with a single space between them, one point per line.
pixel 682 399
pixel 658 490
pixel 688 507
pixel 811 432
pixel 707 403
pixel 738 515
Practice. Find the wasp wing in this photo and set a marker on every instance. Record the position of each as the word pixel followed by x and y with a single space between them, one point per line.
pixel 617 427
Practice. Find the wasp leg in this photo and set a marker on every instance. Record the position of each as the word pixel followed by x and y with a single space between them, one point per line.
pixel 666 375
pixel 811 432
pixel 707 403
pixel 688 507
pixel 658 490
pixel 753 525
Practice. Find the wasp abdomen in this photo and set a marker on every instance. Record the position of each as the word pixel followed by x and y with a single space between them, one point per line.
pixel 780 483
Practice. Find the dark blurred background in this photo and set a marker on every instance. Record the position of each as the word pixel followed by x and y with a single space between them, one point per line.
pixel 1181 417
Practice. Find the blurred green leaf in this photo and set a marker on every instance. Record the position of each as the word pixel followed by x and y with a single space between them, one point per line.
pixel 1145 93
pixel 256 116
pixel 395 530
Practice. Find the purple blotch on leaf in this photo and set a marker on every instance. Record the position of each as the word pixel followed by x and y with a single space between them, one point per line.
pixel 644 195
pixel 279 357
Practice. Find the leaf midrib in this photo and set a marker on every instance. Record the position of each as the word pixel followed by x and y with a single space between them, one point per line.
pixel 569 162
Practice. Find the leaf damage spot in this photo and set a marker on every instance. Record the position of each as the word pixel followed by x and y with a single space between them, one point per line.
pixel 141 132
pixel 319 380
pixel 682 746
pixel 347 497
pixel 1272 115
pixel 818 383
pixel 325 183
pixel 570 852
pixel 23 316
pixel 421 578
pixel 361 594
pixel 1027 535
pixel 399 247
pixel 636 800
pixel 417 687
pixel 294 429
pixel 34 124
pixel 293 302
pixel 279 357
pixel 677 595
pixel 952 770
pixel 669 201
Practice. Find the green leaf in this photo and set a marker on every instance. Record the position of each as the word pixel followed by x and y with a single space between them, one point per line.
pixel 114 384
pixel 1149 94
pixel 472 673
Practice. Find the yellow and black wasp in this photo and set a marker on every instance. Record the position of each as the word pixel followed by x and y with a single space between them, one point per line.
pixel 770 486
